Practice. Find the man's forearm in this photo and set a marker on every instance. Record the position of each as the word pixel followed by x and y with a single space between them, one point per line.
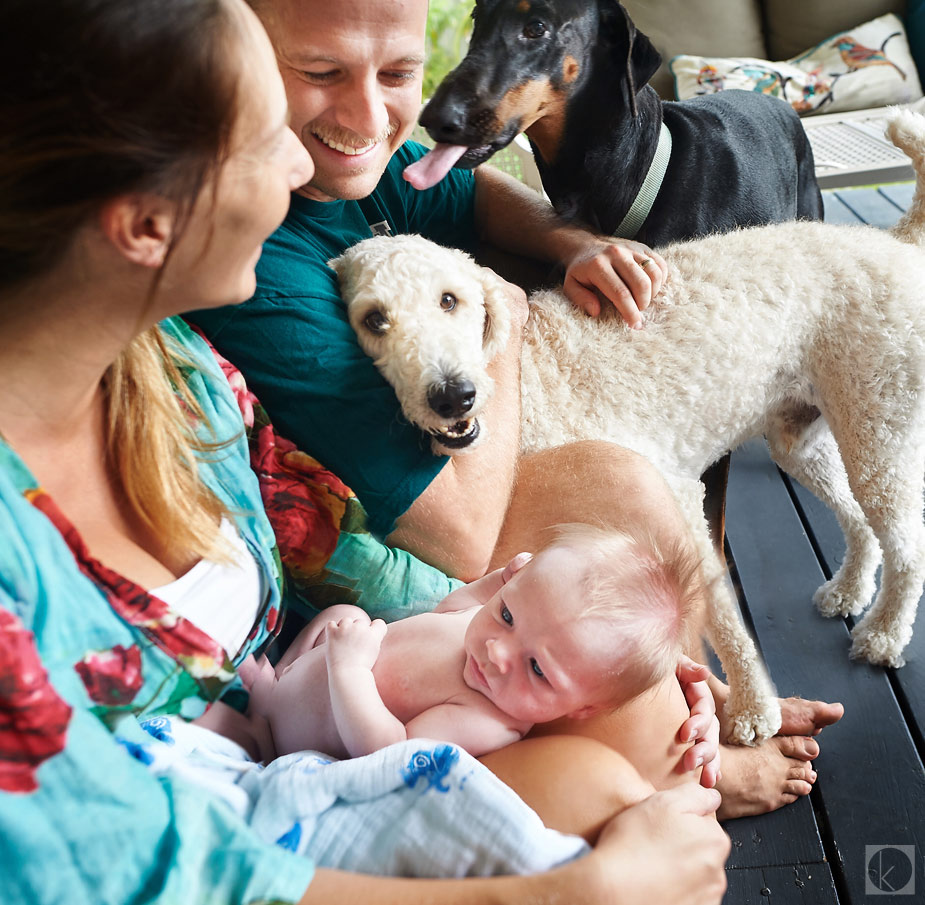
pixel 598 269
pixel 455 523
pixel 517 219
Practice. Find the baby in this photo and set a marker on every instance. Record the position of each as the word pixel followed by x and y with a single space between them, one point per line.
pixel 589 622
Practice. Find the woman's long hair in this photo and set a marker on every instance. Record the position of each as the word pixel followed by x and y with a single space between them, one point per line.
pixel 99 98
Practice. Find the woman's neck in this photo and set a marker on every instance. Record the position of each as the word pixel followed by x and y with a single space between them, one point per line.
pixel 57 339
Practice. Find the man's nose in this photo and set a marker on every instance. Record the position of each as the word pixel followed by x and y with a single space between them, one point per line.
pixel 363 108
pixel 498 655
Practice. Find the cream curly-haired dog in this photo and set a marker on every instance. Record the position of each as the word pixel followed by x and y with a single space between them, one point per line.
pixel 755 333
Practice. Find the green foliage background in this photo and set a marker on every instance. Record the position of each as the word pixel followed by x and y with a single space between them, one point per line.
pixel 449 24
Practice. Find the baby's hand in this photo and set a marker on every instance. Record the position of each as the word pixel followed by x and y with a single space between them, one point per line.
pixel 514 566
pixel 354 642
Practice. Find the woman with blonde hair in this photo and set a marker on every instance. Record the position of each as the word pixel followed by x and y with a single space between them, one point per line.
pixel 144 157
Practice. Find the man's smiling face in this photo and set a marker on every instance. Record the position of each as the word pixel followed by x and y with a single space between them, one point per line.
pixel 352 70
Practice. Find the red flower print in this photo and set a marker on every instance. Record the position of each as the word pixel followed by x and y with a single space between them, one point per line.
pixel 243 396
pixel 33 718
pixel 112 677
pixel 199 654
pixel 304 502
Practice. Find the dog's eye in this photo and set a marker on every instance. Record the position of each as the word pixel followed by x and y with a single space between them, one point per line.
pixel 535 29
pixel 448 301
pixel 376 322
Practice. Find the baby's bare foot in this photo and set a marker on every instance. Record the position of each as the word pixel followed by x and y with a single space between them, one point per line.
pixel 764 778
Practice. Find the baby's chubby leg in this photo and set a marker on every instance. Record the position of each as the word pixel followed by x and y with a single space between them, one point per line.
pixel 313 633
pixel 293 699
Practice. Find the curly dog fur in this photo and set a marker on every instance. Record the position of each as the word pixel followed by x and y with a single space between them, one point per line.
pixel 756 332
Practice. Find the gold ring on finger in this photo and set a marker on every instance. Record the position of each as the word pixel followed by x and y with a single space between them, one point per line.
pixel 645 262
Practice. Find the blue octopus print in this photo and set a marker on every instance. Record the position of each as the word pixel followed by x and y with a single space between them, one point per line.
pixel 159 727
pixel 139 752
pixel 291 838
pixel 432 766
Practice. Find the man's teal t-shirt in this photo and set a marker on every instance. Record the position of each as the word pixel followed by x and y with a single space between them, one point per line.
pixel 299 354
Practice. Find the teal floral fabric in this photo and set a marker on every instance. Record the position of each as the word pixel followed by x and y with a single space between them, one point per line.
pixel 85 654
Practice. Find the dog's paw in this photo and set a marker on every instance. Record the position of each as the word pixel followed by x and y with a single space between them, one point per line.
pixel 882 648
pixel 835 599
pixel 755 723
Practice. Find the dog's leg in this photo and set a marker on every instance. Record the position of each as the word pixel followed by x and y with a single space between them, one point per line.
pixel 882 447
pixel 752 707
pixel 802 444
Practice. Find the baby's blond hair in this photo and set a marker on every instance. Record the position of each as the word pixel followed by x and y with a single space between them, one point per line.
pixel 646 590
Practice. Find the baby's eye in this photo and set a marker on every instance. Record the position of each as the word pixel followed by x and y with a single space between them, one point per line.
pixel 506 615
pixel 536 668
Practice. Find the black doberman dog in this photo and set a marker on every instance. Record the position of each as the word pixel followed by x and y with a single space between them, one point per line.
pixel 572 74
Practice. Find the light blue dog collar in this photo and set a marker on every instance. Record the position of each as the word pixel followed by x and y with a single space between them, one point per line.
pixel 641 207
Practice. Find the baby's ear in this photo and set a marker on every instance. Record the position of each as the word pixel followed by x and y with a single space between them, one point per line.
pixel 582 713
pixel 497 314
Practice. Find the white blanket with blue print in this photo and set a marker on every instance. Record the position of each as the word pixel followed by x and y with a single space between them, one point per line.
pixel 418 808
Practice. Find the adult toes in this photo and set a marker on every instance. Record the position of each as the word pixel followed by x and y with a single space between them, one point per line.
pixel 801 717
pixel 797 788
pixel 798 746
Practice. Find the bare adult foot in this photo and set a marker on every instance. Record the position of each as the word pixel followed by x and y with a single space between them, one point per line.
pixel 764 778
pixel 802 717
pixel 798 716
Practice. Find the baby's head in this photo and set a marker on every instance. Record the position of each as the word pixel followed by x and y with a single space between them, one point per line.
pixel 637 598
pixel 592 620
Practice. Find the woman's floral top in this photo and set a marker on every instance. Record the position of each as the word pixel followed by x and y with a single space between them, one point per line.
pixel 84 653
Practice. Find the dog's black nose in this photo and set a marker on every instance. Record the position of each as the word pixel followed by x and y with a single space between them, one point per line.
pixel 452 399
pixel 445 122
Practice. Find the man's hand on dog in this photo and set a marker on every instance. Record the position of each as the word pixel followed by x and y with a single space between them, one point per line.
pixel 627 274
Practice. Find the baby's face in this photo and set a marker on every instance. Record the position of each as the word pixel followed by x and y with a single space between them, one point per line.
pixel 528 653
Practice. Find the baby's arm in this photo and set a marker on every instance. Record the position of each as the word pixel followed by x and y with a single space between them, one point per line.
pixel 365 724
pixel 480 591
pixel 476 728
pixel 363 721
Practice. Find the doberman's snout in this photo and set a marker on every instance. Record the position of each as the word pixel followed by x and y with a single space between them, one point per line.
pixel 452 399
pixel 445 119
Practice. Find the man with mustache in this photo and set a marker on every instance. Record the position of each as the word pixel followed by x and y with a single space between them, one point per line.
pixel 353 76
pixel 352 70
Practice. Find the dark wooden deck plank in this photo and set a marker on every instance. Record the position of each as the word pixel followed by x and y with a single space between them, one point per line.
pixel 908 682
pixel 871 786
pixel 784 837
pixel 797 884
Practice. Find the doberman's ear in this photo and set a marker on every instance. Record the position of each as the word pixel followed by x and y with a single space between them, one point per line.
pixel 642 59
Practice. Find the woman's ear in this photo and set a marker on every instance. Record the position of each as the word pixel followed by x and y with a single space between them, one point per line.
pixel 140 227
pixel 497 326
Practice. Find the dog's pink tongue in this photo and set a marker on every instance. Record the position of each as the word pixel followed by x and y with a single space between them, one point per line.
pixel 433 166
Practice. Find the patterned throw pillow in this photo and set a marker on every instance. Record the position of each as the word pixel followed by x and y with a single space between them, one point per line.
pixel 868 66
